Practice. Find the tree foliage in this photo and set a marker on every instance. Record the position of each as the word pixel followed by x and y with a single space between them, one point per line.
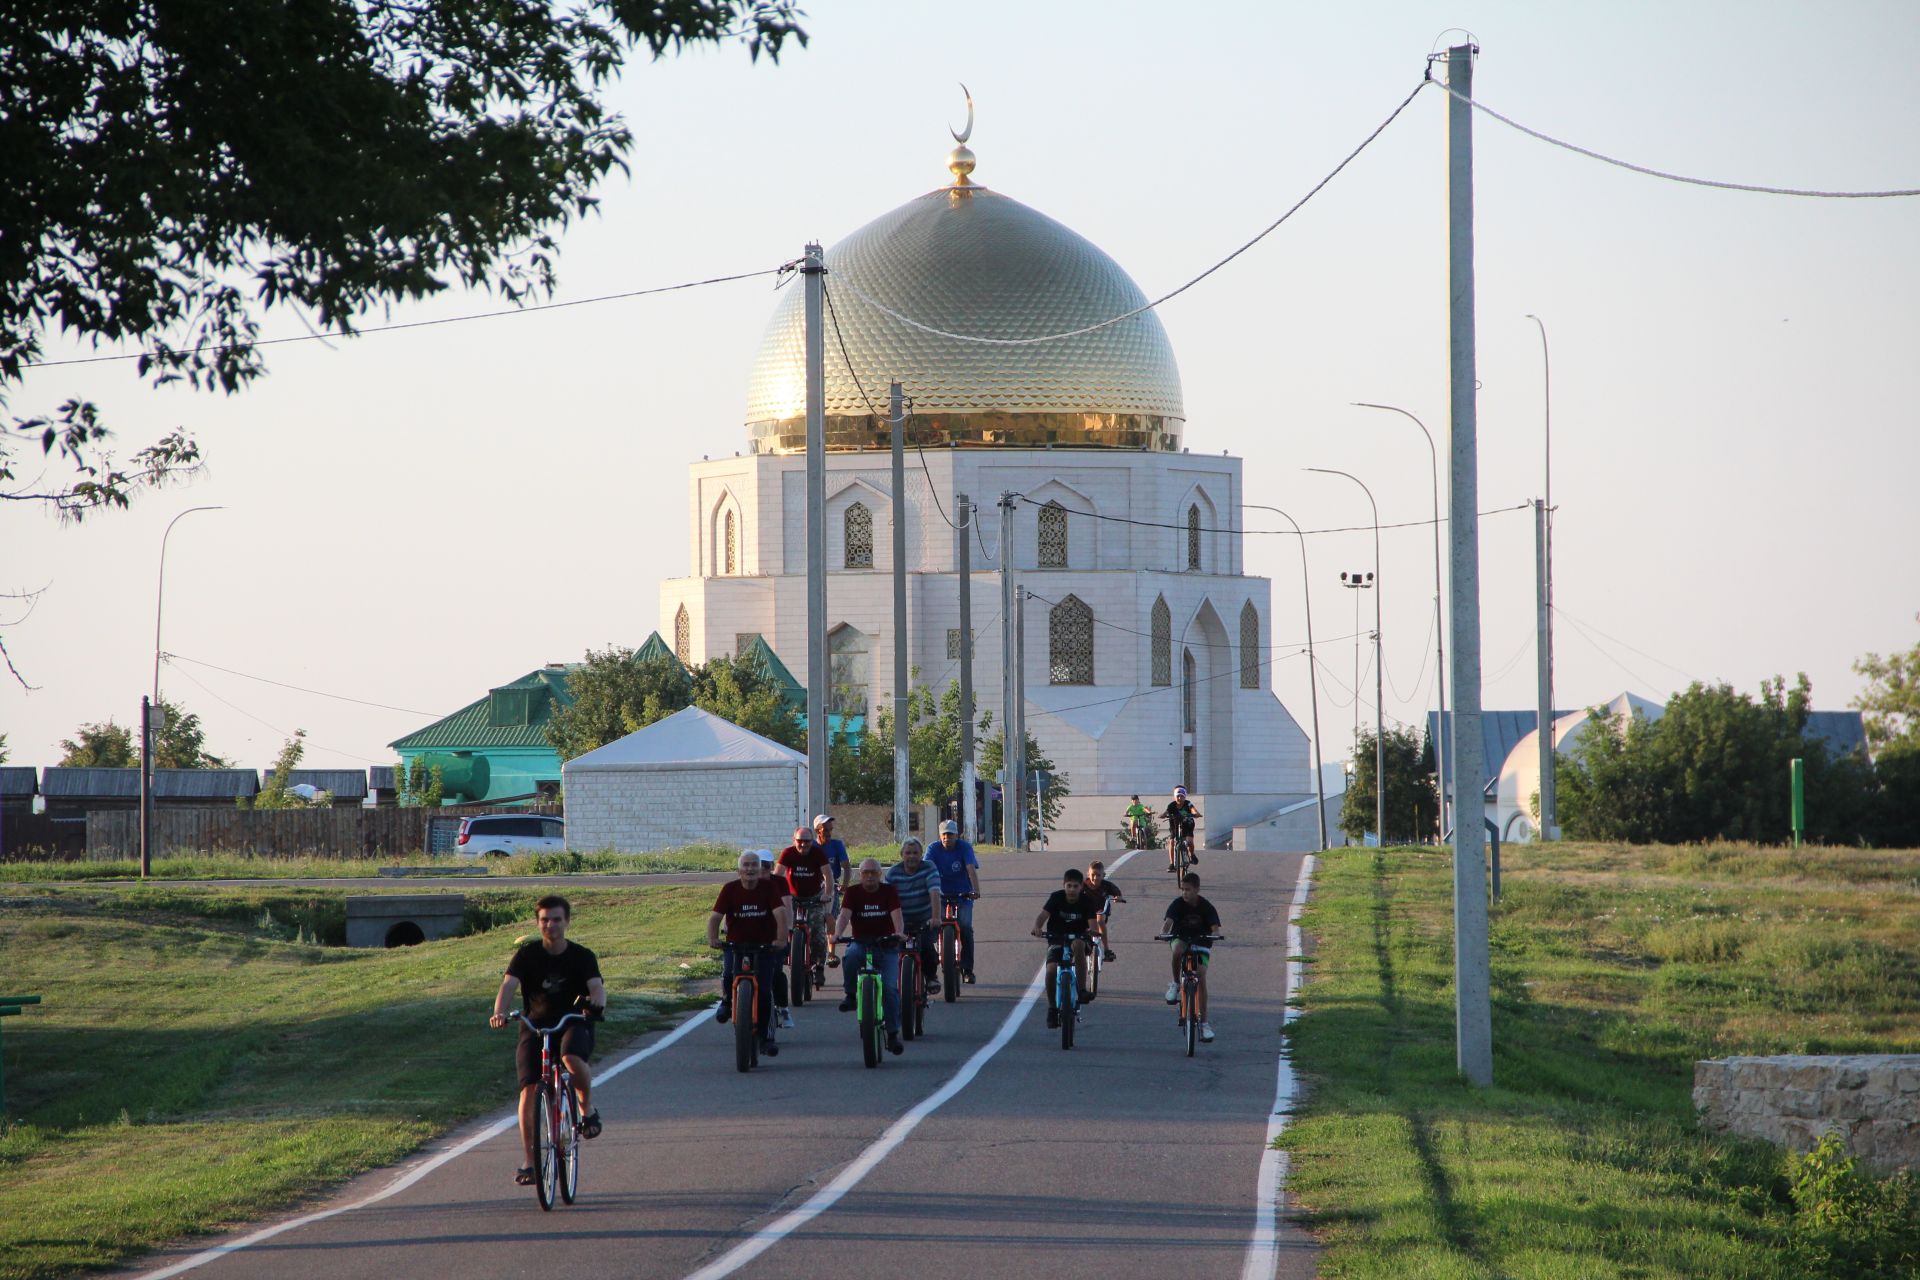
pixel 616 691
pixel 103 744
pixel 174 170
pixel 1891 701
pixel 277 792
pixel 1413 801
pixel 743 691
pixel 180 743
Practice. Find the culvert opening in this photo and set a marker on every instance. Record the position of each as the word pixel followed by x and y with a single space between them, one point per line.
pixel 405 934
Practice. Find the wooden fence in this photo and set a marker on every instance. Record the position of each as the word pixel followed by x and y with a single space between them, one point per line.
pixel 339 832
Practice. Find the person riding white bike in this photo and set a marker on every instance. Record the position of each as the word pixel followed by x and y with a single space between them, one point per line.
pixel 1180 816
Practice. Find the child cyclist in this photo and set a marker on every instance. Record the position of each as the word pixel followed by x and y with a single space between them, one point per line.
pixel 1105 893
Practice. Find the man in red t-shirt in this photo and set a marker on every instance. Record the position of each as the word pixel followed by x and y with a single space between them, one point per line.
pixel 870 912
pixel 809 875
pixel 753 908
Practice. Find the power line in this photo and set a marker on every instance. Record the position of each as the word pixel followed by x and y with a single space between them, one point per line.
pixel 1191 644
pixel 1164 688
pixel 171 658
pixel 410 324
pixel 884 309
pixel 1674 177
pixel 1352 528
pixel 282 732
pixel 1624 645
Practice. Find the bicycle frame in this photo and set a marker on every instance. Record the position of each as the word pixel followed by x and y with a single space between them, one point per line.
pixel 950 944
pixel 557 1158
pixel 1066 983
pixel 869 997
pixel 745 995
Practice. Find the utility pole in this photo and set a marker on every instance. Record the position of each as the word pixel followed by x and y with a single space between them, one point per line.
pixel 902 774
pixel 969 818
pixel 818 791
pixel 1549 803
pixel 146 787
pixel 1542 648
pixel 1473 1013
pixel 1009 682
pixel 1019 717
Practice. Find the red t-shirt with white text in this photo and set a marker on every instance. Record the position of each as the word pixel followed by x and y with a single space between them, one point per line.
pixel 749 912
pixel 872 909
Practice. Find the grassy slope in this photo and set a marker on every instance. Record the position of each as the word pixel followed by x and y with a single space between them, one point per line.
pixel 1613 970
pixel 192 1066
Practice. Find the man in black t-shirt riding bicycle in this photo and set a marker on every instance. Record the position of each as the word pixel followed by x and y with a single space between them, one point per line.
pixel 554 977
pixel 1180 815
pixel 1070 912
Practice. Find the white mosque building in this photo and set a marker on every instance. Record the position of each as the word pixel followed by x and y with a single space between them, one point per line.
pixel 1148 647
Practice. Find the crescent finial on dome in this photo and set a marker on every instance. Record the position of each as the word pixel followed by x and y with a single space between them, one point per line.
pixel 960 160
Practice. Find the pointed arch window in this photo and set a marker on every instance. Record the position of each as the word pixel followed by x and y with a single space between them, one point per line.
pixel 730 552
pixel 1189 704
pixel 1053 536
pixel 682 635
pixel 1249 646
pixel 858 540
pixel 1070 642
pixel 1193 536
pixel 849 671
pixel 1162 643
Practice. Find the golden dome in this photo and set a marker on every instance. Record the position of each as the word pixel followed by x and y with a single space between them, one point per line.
pixel 968 260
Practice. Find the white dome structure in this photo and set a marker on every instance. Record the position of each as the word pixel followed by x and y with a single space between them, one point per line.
pixel 1518 786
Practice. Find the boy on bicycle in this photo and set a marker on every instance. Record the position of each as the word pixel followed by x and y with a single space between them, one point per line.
pixel 1105 893
pixel 1136 820
pixel 553 976
pixel 1180 815
pixel 1191 918
pixel 1070 911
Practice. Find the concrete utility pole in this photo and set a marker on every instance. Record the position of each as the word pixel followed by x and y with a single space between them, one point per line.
pixel 1549 805
pixel 1472 1010
pixel 1545 654
pixel 818 791
pixel 1022 797
pixel 1009 681
pixel 969 817
pixel 146 787
pixel 902 774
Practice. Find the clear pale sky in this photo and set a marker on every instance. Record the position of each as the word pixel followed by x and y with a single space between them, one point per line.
pixel 414 517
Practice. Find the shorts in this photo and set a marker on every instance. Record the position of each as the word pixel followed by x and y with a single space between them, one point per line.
pixel 575 1042
pixel 1200 949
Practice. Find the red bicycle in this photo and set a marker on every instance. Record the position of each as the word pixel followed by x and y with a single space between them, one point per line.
pixel 913 983
pixel 556 1130
pixel 950 944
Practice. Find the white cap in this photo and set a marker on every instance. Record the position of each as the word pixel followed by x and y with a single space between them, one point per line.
pixel 822 819
pixel 765 856
pixel 949 825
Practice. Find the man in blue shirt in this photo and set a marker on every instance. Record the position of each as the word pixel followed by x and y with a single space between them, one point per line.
pixel 839 865
pixel 917 881
pixel 959 879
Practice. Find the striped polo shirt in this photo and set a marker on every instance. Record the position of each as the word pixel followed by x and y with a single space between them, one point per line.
pixel 914 889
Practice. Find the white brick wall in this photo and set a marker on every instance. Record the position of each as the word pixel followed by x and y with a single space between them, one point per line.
pixel 651 809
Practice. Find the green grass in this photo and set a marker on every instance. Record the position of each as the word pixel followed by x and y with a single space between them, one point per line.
pixel 236 866
pixel 196 1064
pixel 1614 969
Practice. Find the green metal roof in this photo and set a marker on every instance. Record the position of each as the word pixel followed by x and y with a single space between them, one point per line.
pixel 525 705
pixel 655 647
pixel 792 690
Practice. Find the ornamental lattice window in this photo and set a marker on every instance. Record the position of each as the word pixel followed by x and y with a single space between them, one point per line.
pixel 1162 643
pixel 1249 646
pixel 682 635
pixel 1193 537
pixel 849 671
pixel 953 644
pixel 1053 536
pixel 732 559
pixel 1070 642
pixel 859 536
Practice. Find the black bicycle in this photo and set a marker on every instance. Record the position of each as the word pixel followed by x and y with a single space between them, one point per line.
pixel 913 984
pixel 556 1119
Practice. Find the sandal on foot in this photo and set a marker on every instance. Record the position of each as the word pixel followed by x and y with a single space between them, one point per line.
pixel 523 1177
pixel 590 1125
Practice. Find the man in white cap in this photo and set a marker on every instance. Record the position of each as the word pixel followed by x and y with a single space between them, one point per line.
pixel 959 880
pixel 839 864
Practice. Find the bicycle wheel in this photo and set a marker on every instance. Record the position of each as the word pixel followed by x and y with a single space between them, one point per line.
pixel 570 1145
pixel 797 962
pixel 745 999
pixel 546 1169
pixel 1093 970
pixel 870 1019
pixel 909 984
pixel 950 964
pixel 1065 1003
pixel 1189 1006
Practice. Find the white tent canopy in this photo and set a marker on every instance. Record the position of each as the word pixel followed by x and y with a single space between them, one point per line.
pixel 687 738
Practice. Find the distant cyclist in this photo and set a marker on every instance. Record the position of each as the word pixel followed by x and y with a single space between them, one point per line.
pixel 1070 910
pixel 1137 817
pixel 1180 815
pixel 835 848
pixel 959 878
pixel 1191 917
pixel 754 909
pixel 809 875
pixel 917 881
pixel 553 976
pixel 1105 893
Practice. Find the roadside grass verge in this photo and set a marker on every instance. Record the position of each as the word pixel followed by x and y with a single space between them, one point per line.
pixel 238 866
pixel 1614 969
pixel 195 1065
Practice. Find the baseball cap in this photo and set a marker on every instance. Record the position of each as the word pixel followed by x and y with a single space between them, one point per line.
pixel 949 825
pixel 822 819
pixel 765 856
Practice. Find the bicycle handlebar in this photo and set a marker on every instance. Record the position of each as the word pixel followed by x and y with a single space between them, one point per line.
pixel 1174 937
pixel 886 940
pixel 581 1018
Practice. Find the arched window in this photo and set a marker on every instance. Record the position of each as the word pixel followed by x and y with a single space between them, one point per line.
pixel 731 559
pixel 1249 646
pixel 1162 643
pixel 1189 706
pixel 1070 643
pixel 1053 536
pixel 682 630
pixel 849 671
pixel 859 536
pixel 1193 536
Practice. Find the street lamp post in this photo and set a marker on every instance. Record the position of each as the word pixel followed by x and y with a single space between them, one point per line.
pixel 1313 675
pixel 1379 674
pixel 150 713
pixel 1549 804
pixel 1439 621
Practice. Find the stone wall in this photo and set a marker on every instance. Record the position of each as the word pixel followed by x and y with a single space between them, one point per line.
pixel 1871 1100
pixel 643 810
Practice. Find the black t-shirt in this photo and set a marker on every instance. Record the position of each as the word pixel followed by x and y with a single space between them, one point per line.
pixel 1194 921
pixel 1071 917
pixel 551 984
pixel 1180 815
pixel 1106 891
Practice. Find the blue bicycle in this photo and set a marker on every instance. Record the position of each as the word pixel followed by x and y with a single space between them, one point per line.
pixel 1067 953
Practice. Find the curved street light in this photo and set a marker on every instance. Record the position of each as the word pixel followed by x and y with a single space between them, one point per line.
pixel 1379 675
pixel 1439 621
pixel 1313 675
pixel 159 594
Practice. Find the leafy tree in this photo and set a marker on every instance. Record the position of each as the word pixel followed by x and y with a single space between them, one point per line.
pixel 276 792
pixel 105 745
pixel 422 786
pixel 1059 787
pixel 181 743
pixel 1413 801
pixel 742 690
pixel 1891 701
pixel 615 692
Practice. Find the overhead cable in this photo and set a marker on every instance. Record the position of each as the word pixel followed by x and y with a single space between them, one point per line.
pixel 1348 528
pixel 172 658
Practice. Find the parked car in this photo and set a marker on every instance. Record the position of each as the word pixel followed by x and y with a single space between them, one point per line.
pixel 502 835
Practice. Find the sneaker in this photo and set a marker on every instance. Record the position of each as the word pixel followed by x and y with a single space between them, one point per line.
pixel 846 1006
pixel 1053 1018
pixel 724 1012
pixel 1089 997
pixel 785 1017
pixel 1173 993
pixel 770 1047
pixel 967 977
pixel 1206 1033
pixel 1110 957
pixel 894 1046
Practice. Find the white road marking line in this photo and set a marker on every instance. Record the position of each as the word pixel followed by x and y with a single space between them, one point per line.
pixel 419 1171
pixel 896 1133
pixel 1263 1251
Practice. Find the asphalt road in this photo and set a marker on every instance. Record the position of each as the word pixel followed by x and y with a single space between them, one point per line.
pixel 1119 1157
pixel 403 884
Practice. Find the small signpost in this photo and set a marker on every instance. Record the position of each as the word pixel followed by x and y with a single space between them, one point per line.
pixel 10 1006
pixel 1797 771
